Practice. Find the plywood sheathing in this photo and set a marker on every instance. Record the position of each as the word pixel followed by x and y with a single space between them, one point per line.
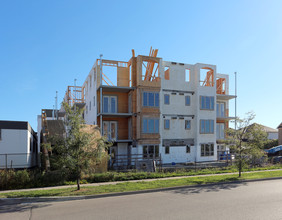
pixel 123 76
pixel 132 63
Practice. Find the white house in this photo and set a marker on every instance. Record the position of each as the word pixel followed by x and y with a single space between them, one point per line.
pixel 18 145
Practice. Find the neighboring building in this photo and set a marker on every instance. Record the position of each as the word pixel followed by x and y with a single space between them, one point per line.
pixel 49 124
pixel 279 134
pixel 152 108
pixel 18 145
pixel 272 134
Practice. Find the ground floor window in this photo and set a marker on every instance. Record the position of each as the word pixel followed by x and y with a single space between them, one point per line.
pixel 166 149
pixel 151 151
pixel 207 150
pixel 188 149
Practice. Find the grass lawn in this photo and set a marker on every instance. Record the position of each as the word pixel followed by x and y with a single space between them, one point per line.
pixel 142 185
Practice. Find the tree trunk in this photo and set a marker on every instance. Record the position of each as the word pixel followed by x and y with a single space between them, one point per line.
pixel 78 183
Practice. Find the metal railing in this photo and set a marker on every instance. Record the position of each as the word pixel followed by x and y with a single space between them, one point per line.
pixel 19 160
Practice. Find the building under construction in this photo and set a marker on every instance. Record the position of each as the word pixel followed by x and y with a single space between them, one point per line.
pixel 155 109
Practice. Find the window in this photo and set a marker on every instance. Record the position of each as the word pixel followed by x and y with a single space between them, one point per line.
pixel 150 126
pixel 188 149
pixel 151 99
pixel 187 100
pixel 187 124
pixel 220 109
pixel 166 149
pixel 166 73
pixel 90 106
pixel 207 102
pixel 166 99
pixel 220 131
pixel 86 109
pixel 110 104
pixel 207 150
pixel 151 151
pixel 166 124
pixel 206 126
pixel 110 129
pixel 187 75
pixel 94 101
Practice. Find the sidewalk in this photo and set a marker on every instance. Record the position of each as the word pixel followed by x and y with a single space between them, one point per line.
pixel 146 180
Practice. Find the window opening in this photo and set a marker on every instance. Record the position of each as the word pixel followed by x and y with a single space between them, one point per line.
pixel 206 77
pixel 166 73
pixel 187 75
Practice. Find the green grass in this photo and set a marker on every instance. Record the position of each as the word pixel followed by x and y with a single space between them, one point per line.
pixel 142 185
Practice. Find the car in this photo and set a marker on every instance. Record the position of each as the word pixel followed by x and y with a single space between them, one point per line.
pixel 277 159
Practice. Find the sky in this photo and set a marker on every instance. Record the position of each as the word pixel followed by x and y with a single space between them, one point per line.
pixel 45 45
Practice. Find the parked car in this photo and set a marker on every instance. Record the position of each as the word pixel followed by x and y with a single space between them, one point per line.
pixel 277 159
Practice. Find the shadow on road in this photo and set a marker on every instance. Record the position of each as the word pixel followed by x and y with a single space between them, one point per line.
pixel 208 188
pixel 10 206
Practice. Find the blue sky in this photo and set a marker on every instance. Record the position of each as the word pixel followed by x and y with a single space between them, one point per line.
pixel 45 45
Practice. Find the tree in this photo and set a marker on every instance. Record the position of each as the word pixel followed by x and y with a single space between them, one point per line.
pixel 81 147
pixel 247 141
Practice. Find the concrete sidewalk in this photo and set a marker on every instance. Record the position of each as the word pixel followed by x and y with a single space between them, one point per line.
pixel 117 182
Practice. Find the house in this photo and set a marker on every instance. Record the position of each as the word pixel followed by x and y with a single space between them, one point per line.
pixel 18 145
pixel 272 134
pixel 155 109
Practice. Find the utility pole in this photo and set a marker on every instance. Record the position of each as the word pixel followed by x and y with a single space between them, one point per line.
pixel 101 95
pixel 235 101
pixel 75 94
pixel 56 105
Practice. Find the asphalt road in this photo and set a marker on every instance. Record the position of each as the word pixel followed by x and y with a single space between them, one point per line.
pixel 252 200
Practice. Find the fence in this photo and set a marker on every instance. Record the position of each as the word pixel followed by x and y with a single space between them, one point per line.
pixel 18 160
pixel 135 161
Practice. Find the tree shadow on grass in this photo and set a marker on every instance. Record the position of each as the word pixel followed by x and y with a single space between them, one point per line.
pixel 208 188
pixel 21 205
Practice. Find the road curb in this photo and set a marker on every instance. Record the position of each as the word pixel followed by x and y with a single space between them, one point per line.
pixel 72 198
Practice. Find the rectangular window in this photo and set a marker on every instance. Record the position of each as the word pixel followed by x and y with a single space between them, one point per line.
pixel 151 151
pixel 106 104
pixel 166 149
pixel 207 150
pixel 206 126
pixel 207 103
pixel 166 99
pixel 187 100
pixel 109 104
pixel 188 149
pixel 151 99
pixel 90 106
pixel 150 125
pixel 187 124
pixel 145 98
pixel 145 125
pixel 220 109
pixel 187 75
pixel 94 101
pixel 166 124
pixel 220 134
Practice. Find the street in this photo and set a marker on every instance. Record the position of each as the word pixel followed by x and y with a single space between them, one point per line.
pixel 252 200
